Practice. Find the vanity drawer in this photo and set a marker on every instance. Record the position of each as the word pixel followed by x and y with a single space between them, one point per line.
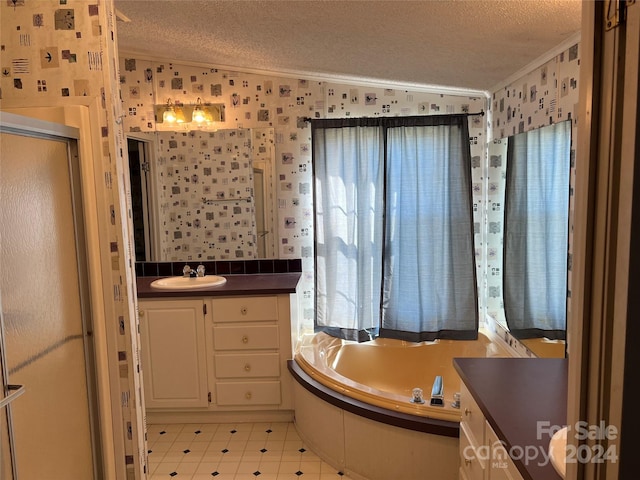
pixel 245 309
pixel 248 393
pixel 252 337
pixel 247 365
pixel 472 417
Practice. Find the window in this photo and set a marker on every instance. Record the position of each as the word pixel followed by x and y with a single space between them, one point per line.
pixel 394 229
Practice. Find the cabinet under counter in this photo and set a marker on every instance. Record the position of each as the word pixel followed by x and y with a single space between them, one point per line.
pixel 227 348
pixel 520 398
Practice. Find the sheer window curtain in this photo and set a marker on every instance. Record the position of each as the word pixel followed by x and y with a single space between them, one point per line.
pixel 430 288
pixel 537 232
pixel 393 195
pixel 349 188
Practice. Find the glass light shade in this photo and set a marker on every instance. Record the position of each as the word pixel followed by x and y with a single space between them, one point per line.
pixel 169 115
pixel 198 115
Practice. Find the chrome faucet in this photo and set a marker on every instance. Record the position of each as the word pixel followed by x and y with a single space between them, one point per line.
pixel 187 271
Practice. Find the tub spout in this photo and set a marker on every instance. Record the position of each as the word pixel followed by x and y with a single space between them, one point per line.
pixel 437 392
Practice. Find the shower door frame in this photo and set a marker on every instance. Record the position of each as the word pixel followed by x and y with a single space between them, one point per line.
pixel 29 127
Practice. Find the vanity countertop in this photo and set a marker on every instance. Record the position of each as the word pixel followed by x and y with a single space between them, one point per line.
pixel 515 394
pixel 255 284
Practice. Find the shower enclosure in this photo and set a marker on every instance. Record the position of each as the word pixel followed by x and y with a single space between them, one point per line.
pixel 48 427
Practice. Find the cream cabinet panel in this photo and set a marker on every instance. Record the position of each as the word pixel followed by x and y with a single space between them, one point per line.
pixel 472 417
pixel 248 337
pixel 248 393
pixel 500 467
pixel 472 464
pixel 173 353
pixel 472 461
pixel 247 365
pixel 245 309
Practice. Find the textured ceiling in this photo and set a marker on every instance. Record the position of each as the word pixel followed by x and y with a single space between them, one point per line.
pixel 471 44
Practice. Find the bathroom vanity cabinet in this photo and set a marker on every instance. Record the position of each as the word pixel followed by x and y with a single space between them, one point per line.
pixel 221 352
pixel 482 454
pixel 504 405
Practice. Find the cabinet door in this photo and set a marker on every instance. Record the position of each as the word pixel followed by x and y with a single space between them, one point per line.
pixel 501 467
pixel 173 353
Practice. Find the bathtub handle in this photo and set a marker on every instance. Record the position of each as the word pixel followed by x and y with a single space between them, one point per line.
pixel 247 367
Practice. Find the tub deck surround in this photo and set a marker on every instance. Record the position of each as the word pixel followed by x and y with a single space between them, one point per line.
pixel 383 372
pixel 543 347
pixel 270 283
pixel 514 394
pixel 419 423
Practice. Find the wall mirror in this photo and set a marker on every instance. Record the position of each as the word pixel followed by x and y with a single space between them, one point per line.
pixel 203 195
pixel 533 191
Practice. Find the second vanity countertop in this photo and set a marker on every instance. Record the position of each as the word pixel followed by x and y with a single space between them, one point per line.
pixel 515 394
pixel 254 284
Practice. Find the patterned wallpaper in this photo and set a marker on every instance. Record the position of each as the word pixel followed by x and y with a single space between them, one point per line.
pixel 546 95
pixel 253 101
pixel 56 53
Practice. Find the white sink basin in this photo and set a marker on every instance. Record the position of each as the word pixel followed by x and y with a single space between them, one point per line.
pixel 558 451
pixel 188 283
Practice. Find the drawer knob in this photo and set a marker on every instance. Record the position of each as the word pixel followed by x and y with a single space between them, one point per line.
pixel 247 367
pixel 467 411
pixel 245 339
pixel 244 310
pixel 247 395
pixel 141 313
pixel 467 461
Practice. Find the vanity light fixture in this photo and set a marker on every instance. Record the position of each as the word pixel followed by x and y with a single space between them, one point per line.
pixel 193 115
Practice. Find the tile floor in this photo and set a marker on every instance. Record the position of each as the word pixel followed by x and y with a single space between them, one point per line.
pixel 241 451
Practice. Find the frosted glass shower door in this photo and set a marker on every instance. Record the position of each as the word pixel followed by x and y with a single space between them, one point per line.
pixel 44 315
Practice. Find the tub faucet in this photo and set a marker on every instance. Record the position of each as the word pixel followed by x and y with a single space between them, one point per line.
pixel 437 392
